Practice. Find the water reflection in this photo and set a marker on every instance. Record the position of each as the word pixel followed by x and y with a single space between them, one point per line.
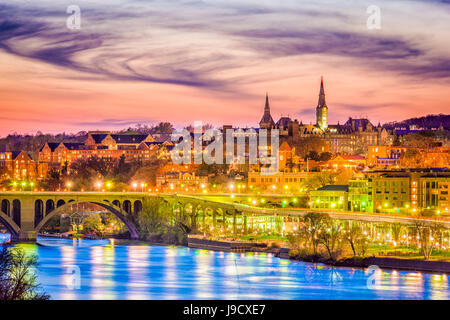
pixel 116 271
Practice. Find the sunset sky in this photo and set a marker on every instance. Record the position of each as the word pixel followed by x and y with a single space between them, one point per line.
pixel 213 61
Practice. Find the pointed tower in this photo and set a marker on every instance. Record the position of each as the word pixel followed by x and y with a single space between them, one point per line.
pixel 267 120
pixel 322 109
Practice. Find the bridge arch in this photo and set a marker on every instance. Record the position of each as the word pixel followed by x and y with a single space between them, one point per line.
pixel 116 203
pixel 60 203
pixel 10 225
pixel 38 211
pixel 127 206
pixel 134 234
pixel 16 211
pixel 6 207
pixel 49 206
pixel 137 207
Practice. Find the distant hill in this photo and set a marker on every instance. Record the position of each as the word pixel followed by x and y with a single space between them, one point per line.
pixel 427 122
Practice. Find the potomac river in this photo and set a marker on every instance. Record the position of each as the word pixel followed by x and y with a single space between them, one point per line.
pixel 105 269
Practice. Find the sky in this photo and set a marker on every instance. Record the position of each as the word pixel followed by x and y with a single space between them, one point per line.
pixel 136 61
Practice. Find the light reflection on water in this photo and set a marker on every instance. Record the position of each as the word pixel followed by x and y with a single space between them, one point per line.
pixel 111 271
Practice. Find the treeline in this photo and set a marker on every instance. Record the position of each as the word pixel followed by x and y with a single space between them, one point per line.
pixel 321 238
pixel 427 122
pixel 32 143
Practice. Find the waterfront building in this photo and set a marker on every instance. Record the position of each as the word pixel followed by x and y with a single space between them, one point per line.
pixel 333 197
pixel 401 191
pixel 358 197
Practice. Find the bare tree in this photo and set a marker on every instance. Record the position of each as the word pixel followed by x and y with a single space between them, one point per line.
pixel 427 235
pixel 313 224
pixel 17 278
pixel 357 240
pixel 331 238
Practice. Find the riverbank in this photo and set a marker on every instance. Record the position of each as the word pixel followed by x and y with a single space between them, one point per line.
pixel 241 246
pixel 283 253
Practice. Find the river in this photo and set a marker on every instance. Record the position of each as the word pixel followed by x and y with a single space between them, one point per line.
pixel 104 269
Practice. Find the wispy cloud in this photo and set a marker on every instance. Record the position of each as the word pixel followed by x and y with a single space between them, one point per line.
pixel 214 56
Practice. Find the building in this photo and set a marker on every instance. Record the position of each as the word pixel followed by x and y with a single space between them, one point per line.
pixel 359 198
pixel 333 197
pixel 352 138
pixel 280 181
pixel 104 139
pixel 267 120
pixel 391 192
pixel 401 191
pixel 385 156
pixel 433 192
pixel 291 174
pixel 345 162
pixel 22 166
pixel 183 181
pixel 133 147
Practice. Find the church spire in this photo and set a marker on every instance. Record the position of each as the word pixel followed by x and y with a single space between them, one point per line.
pixel 321 102
pixel 267 106
pixel 322 109
pixel 267 120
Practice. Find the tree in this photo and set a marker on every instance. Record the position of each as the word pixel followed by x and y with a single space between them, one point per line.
pixel 17 278
pixel 331 238
pixel 162 128
pixel 325 156
pixel 93 223
pixel 53 180
pixel 158 222
pixel 151 219
pixel 357 240
pixel 320 179
pixel 313 155
pixel 313 224
pixel 427 235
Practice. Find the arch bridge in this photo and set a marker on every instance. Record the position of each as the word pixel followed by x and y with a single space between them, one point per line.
pixel 24 214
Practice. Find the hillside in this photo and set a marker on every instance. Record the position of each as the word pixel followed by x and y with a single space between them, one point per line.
pixel 427 122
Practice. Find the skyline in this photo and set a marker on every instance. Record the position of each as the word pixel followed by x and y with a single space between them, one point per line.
pixel 134 62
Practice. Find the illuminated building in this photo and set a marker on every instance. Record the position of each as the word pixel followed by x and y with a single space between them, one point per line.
pixel 333 197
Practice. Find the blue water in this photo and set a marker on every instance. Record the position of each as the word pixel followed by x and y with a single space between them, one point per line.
pixel 87 269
